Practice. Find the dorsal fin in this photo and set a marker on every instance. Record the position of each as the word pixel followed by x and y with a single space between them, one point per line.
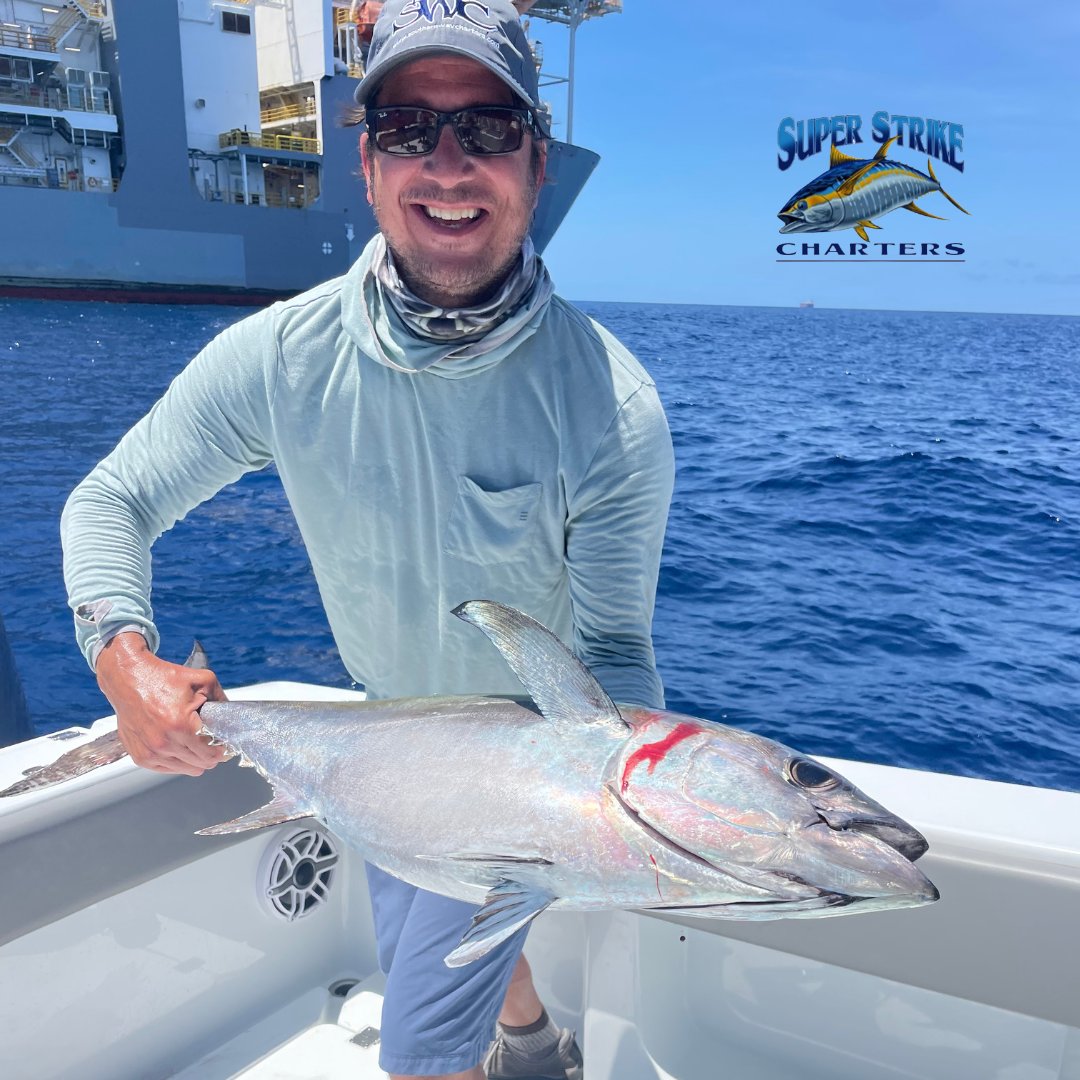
pixel 838 157
pixel 564 689
pixel 884 148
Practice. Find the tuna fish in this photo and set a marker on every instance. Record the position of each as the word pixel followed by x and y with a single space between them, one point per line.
pixel 855 190
pixel 565 800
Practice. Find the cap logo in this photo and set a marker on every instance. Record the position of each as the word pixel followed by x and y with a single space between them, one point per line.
pixel 434 11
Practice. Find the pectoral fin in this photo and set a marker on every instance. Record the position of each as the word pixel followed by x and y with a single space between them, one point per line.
pixel 507 908
pixel 491 870
pixel 279 809
pixel 564 689
pixel 848 186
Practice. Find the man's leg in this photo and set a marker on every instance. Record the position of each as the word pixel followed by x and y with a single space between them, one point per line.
pixel 437 1021
pixel 529 1045
pixel 522 1006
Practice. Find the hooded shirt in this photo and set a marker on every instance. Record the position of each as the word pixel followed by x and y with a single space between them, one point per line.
pixel 537 474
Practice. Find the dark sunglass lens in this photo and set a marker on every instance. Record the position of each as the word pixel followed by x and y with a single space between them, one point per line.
pixel 405 131
pixel 490 131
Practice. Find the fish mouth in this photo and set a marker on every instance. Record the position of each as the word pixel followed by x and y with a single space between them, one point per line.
pixel 873 858
pixel 794 224
pixel 870 856
pixel 899 835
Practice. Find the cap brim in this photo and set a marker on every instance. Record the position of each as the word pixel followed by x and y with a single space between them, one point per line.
pixel 374 78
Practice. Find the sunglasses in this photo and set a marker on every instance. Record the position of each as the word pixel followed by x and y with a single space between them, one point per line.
pixel 484 130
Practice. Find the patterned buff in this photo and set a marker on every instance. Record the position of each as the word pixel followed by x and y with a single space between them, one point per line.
pixel 413 335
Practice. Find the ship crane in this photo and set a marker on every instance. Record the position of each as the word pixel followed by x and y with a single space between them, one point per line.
pixel 571 14
pixel 359 16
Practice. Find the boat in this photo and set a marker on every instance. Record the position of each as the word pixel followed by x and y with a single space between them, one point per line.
pixel 131 948
pixel 195 151
pixel 806 303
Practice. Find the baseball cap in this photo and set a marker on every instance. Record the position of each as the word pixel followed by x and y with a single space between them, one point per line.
pixel 487 31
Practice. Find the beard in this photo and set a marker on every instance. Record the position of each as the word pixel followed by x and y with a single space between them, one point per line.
pixel 447 281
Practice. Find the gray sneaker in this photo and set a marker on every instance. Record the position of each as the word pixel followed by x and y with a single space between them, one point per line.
pixel 563 1063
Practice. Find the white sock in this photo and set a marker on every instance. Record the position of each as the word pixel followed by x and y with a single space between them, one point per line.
pixel 534 1040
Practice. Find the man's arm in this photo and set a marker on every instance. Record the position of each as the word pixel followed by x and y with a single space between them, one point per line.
pixel 211 427
pixel 614 540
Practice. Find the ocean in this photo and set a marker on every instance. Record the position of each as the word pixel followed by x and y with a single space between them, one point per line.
pixel 873 550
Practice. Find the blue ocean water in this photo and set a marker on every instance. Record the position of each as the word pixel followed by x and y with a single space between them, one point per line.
pixel 873 552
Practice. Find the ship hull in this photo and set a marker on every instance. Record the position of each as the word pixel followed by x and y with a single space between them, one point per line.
pixel 83 246
pixel 155 237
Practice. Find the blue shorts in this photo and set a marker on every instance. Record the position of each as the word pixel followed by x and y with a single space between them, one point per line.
pixel 435 1019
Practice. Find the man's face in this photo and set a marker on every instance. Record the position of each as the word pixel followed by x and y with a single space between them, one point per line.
pixel 461 262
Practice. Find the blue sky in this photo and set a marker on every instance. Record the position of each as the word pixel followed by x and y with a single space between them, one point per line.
pixel 683 100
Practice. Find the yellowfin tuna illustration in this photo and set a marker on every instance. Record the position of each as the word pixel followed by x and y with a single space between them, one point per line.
pixel 854 191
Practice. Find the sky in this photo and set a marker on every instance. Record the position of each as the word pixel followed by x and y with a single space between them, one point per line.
pixel 683 99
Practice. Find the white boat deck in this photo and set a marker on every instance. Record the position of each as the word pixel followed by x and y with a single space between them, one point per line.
pixel 130 948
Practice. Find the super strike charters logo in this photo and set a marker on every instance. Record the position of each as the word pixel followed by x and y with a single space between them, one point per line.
pixel 857 188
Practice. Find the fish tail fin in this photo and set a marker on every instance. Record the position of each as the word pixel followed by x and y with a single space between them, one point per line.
pixel 197 658
pixel 930 169
pixel 103 750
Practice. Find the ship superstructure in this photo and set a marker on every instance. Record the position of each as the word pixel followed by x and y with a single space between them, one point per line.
pixel 195 149
pixel 57 122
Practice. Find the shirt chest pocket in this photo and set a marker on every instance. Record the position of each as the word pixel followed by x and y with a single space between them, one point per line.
pixel 488 527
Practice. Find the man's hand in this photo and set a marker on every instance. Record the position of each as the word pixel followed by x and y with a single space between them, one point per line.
pixel 157 706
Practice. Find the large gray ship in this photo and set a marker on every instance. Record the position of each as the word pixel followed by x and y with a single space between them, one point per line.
pixel 194 150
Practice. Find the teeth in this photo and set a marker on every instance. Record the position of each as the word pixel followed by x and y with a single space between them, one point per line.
pixel 452 215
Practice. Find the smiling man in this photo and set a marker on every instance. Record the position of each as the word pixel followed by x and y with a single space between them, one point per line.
pixel 445 429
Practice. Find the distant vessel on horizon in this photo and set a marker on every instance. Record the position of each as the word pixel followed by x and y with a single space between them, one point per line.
pixel 806 303
pixel 193 151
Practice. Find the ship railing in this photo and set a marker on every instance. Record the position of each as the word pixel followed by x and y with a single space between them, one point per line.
pixel 261 198
pixel 296 111
pixel 23 165
pixel 21 171
pixel 37 97
pixel 27 36
pixel 97 11
pixel 269 142
pixel 288 201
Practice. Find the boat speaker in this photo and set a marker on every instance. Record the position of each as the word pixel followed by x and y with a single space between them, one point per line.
pixel 297 872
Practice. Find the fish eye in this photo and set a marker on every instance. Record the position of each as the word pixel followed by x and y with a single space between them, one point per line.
pixel 801 204
pixel 809 774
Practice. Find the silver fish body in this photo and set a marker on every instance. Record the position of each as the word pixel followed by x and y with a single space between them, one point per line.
pixel 570 802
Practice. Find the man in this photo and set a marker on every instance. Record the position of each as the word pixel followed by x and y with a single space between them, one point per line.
pixel 445 429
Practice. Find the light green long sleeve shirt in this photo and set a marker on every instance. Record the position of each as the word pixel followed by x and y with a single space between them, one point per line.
pixel 542 481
